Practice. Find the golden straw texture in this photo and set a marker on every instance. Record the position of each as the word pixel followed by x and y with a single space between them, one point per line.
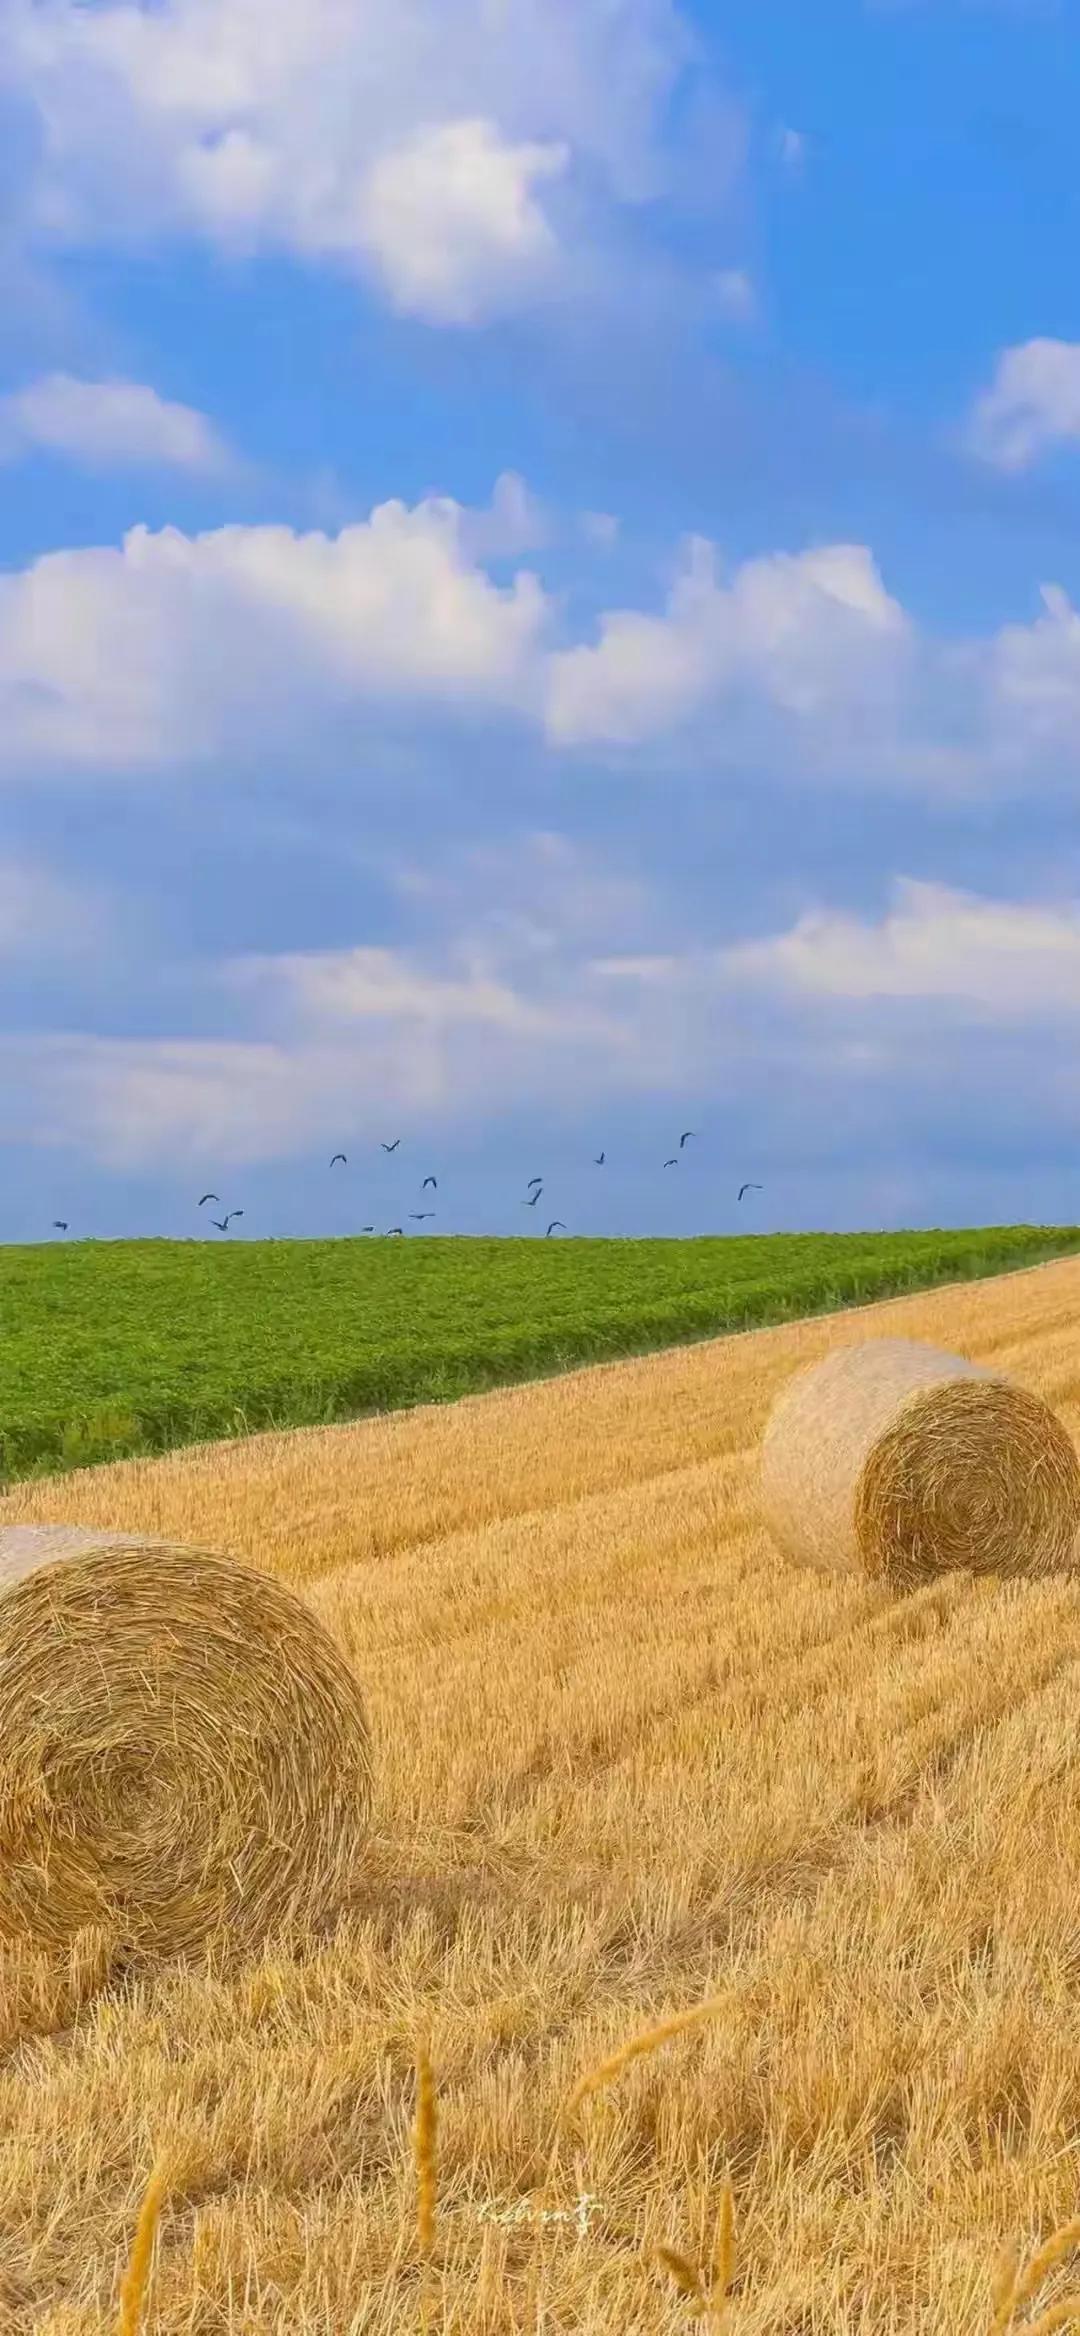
pixel 424 2153
pixel 136 2278
pixel 184 1752
pixel 902 1462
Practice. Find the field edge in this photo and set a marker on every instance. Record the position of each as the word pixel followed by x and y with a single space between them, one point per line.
pixel 115 1432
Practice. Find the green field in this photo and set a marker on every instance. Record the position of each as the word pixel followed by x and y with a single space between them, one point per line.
pixel 115 1348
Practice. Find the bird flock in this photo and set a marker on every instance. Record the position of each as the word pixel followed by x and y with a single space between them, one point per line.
pixel 431 1184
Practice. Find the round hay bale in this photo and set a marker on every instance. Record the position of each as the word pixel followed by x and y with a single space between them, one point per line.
pixel 901 1462
pixel 184 1753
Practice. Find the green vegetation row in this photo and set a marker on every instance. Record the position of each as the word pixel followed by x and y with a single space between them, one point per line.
pixel 111 1349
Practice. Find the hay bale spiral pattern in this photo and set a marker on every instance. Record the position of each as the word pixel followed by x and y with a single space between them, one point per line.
pixel 903 1462
pixel 184 1753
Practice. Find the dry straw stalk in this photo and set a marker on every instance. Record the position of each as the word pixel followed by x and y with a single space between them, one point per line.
pixel 184 1753
pixel 638 2047
pixel 424 2132
pixel 682 2272
pixel 136 2278
pixel 900 1461
pixel 1011 2288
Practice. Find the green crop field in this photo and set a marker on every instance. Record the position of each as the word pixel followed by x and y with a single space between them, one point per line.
pixel 116 1348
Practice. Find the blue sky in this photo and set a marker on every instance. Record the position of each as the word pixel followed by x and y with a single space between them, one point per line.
pixel 539 558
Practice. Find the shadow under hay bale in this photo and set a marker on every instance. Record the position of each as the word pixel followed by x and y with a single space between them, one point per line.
pixel 902 1462
pixel 184 1752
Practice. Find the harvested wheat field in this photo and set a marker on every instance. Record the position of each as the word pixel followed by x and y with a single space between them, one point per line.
pixel 627 1761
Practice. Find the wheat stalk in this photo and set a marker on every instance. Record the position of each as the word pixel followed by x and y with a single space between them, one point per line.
pixel 723 2252
pixel 636 2048
pixel 137 2276
pixel 1056 2317
pixel 424 2154
pixel 686 2279
pixel 1011 2289
pixel 648 2040
pixel 1003 2288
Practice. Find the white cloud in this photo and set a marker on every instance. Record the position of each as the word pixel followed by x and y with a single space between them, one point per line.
pixel 417 144
pixel 245 639
pixel 107 424
pixel 496 999
pixel 805 631
pixel 1007 959
pixel 538 977
pixel 354 985
pixel 517 522
pixel 507 931
pixel 803 664
pixel 1031 406
pixel 131 1103
pixel 1033 677
pixel 453 216
pixel 173 645
pixel 406 1041
pixel 361 1027
pixel 540 897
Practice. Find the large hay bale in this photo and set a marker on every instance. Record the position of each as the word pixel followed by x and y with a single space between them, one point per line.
pixel 901 1462
pixel 184 1753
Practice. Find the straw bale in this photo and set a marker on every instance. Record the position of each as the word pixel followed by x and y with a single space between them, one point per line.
pixel 184 1752
pixel 902 1462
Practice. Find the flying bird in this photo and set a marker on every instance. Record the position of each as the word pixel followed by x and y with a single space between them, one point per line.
pixel 531 1204
pixel 339 1156
pixel 557 1227
pixel 210 1196
pixel 222 1227
pixel 394 1229
pixel 392 1147
pixel 429 1180
pixel 682 1139
pixel 367 1228
pixel 58 1226
pixel 600 1162
pixel 750 1188
pixel 671 1163
pixel 420 1216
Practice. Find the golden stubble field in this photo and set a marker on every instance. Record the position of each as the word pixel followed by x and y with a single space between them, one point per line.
pixel 627 1760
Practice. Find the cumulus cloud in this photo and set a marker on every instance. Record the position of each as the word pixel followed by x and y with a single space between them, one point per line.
pixel 804 664
pixel 1010 960
pixel 171 646
pixel 454 214
pixel 107 424
pixel 417 145
pixel 1033 676
pixel 805 632
pixel 1031 406
pixel 516 522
